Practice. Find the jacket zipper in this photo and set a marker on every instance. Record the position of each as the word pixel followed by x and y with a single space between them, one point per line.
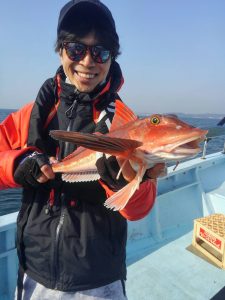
pixel 69 113
pixel 56 244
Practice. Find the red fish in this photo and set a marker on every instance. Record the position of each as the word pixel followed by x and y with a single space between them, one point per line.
pixel 144 142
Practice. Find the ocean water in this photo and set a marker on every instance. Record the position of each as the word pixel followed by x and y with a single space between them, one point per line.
pixel 10 198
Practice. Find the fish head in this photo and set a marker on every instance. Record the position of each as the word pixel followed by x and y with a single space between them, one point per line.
pixel 167 138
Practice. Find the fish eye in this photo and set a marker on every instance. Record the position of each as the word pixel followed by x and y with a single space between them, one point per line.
pixel 155 120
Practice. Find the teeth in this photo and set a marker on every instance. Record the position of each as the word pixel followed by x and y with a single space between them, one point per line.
pixel 85 75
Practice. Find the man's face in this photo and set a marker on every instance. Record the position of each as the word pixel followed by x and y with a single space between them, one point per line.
pixel 85 74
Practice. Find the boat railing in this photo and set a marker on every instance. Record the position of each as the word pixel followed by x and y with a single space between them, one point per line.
pixel 206 141
pixel 8 256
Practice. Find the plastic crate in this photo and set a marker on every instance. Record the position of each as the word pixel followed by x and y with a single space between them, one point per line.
pixel 209 238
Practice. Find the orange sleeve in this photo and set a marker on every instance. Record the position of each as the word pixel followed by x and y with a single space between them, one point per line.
pixel 7 162
pixel 141 202
pixel 14 129
pixel 13 143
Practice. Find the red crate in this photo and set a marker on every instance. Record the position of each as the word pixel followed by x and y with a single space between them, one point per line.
pixel 209 238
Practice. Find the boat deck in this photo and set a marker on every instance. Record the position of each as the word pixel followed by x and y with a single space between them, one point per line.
pixel 162 264
pixel 174 271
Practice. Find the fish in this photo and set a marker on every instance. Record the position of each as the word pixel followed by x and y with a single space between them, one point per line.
pixel 143 142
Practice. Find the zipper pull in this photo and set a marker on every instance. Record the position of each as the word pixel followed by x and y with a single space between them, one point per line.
pixel 48 209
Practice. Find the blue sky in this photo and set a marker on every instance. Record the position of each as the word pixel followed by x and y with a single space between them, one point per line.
pixel 173 52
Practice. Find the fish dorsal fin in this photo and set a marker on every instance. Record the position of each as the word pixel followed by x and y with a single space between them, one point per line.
pixel 123 115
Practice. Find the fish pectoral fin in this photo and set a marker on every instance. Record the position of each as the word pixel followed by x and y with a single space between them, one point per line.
pixel 101 143
pixel 120 199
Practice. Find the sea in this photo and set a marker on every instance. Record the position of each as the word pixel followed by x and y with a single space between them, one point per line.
pixel 10 199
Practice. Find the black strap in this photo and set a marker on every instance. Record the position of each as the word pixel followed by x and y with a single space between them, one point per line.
pixel 20 283
pixel 124 289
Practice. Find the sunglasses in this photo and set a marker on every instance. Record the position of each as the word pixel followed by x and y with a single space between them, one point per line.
pixel 77 51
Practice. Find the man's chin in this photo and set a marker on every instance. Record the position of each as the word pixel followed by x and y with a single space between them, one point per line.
pixel 85 88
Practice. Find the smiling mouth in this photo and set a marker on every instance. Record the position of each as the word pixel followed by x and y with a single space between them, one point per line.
pixel 86 75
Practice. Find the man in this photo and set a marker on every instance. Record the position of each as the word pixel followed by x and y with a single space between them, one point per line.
pixel 69 245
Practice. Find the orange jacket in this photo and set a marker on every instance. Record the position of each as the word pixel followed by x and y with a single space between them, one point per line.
pixel 13 137
pixel 14 131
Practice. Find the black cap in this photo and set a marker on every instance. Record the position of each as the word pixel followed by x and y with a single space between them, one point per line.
pixel 71 5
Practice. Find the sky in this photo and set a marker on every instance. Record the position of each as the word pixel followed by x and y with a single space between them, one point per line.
pixel 172 52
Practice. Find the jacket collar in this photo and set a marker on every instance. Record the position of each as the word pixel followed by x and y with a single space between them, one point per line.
pixel 69 93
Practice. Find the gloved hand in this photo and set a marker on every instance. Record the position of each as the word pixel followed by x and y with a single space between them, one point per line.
pixel 33 170
pixel 108 168
pixel 158 170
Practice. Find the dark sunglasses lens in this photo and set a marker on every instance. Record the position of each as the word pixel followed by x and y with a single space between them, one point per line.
pixel 100 54
pixel 75 51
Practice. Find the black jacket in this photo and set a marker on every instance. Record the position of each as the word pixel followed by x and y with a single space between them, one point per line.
pixel 77 244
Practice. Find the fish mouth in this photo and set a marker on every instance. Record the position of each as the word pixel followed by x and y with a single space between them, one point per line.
pixel 191 147
pixel 187 147
pixel 184 148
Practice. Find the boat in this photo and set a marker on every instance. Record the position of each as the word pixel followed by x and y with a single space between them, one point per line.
pixel 162 262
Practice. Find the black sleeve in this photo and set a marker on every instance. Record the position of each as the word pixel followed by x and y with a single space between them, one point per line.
pixel 43 104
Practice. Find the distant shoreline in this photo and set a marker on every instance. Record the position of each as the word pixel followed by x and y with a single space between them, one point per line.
pixel 179 114
pixel 190 115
